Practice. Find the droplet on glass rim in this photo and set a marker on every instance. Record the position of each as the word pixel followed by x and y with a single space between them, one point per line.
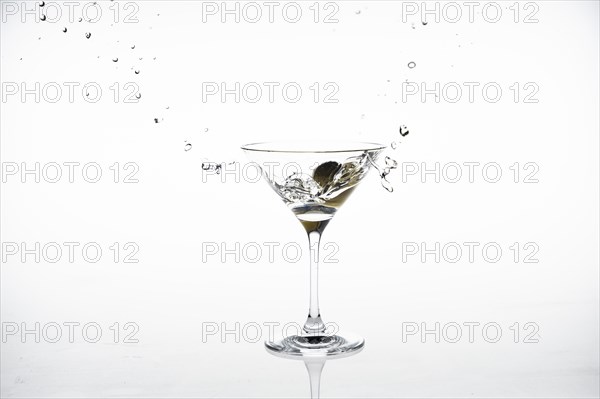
pixel 412 64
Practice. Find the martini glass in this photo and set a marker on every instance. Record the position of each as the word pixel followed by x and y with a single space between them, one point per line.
pixel 314 179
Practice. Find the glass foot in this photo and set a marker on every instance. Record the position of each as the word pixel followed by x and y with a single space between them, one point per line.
pixel 316 345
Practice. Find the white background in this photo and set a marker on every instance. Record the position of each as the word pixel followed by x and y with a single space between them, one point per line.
pixel 174 210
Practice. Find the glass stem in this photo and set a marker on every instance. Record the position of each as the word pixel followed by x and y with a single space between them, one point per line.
pixel 314 324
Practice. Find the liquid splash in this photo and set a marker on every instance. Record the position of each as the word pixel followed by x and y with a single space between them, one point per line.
pixel 212 166
pixel 403 131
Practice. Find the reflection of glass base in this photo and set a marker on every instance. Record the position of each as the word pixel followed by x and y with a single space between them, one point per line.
pixel 316 345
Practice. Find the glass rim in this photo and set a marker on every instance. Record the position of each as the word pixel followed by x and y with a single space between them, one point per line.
pixel 267 146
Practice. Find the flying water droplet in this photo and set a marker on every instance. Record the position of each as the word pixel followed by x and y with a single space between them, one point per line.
pixel 88 35
pixel 212 166
pixel 141 58
pixel 394 145
pixel 187 147
pixel 391 163
pixel 386 184
pixel 42 4
pixel 357 12
pixel 65 30
pixel 154 58
pixel 403 130
pixel 412 64
pixel 137 72
pixel 155 120
pixel 80 19
pixel 168 108
pixel 138 96
pixel 43 17
pixel 205 130
pixel 424 23
pixel 116 59
pixel 132 47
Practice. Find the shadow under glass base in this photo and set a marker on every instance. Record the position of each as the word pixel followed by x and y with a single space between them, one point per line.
pixel 316 345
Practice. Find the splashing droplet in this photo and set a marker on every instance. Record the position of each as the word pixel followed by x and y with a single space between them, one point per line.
pixel 88 35
pixel 394 145
pixel 391 163
pixel 212 166
pixel 116 59
pixel 403 130
pixel 137 72
pixel 65 30
pixel 133 47
pixel 386 184
pixel 43 17
pixel 412 64
pixel 187 147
